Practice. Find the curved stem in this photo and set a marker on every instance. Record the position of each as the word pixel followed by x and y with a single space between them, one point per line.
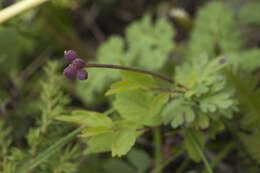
pixel 130 69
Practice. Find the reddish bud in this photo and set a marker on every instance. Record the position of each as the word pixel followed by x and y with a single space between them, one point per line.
pixel 82 74
pixel 79 63
pixel 70 72
pixel 70 55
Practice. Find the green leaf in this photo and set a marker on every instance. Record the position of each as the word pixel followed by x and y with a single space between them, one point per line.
pixel 249 13
pixel 247 60
pixel 122 86
pixel 132 108
pixel 149 44
pixel 158 102
pixel 100 143
pixel 117 165
pixel 178 111
pixel 211 103
pixel 140 159
pixel 89 118
pixel 219 35
pixel 190 146
pixel 201 75
pixel 143 80
pixel 123 141
pixel 215 128
pixel 93 131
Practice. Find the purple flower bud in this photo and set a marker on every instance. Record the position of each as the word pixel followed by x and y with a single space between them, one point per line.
pixel 70 55
pixel 82 74
pixel 70 72
pixel 79 63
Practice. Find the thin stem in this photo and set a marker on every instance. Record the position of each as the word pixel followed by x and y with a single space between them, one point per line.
pixel 130 69
pixel 19 8
pixel 198 148
pixel 157 138
pixel 167 162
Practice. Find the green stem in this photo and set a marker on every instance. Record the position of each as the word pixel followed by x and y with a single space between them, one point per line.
pixel 170 160
pixel 18 8
pixel 229 147
pixel 158 147
pixel 197 147
pixel 183 166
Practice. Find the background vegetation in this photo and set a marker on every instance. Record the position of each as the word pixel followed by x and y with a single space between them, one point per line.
pixel 210 47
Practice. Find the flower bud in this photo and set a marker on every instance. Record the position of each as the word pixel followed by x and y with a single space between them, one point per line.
pixel 70 55
pixel 70 72
pixel 79 63
pixel 82 74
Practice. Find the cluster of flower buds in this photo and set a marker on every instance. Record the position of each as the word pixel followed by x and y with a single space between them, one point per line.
pixel 76 67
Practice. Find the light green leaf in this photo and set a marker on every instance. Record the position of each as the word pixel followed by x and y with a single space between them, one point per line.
pixel 219 35
pixel 93 131
pixel 150 44
pixel 122 86
pixel 89 118
pixel 211 103
pixel 123 141
pixel 136 106
pixel 143 80
pixel 178 112
pixel 100 143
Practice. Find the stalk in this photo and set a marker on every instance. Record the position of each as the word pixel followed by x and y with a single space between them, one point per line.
pixel 130 69
pixel 18 8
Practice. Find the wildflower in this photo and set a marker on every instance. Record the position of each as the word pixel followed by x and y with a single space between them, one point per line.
pixel 76 66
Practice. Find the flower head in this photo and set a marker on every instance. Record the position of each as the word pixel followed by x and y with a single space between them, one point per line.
pixel 76 66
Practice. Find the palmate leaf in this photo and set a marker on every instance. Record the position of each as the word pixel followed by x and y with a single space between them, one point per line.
pixel 138 106
pixel 149 43
pixel 177 112
pixel 210 103
pixel 219 35
pixel 201 75
pixel 206 94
